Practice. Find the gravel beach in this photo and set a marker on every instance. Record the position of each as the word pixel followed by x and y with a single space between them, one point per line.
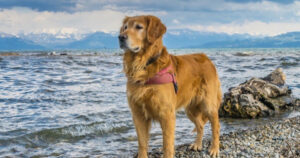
pixel 276 139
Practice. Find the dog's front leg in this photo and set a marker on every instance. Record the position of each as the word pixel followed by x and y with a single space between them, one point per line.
pixel 167 123
pixel 142 126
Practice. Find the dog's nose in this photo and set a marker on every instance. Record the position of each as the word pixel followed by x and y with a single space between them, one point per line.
pixel 122 37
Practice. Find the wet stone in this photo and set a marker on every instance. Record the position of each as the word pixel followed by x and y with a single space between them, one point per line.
pixel 259 97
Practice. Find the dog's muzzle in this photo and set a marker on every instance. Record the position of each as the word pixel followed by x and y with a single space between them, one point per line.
pixel 122 41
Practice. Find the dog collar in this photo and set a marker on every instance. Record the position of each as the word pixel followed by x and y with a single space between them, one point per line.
pixel 165 75
pixel 153 59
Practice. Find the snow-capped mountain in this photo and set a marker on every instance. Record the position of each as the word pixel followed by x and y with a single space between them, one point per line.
pixel 172 39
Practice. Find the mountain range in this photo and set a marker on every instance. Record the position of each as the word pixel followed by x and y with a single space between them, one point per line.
pixel 9 42
pixel 172 39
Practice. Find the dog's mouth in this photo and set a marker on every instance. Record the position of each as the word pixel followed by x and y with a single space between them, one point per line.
pixel 136 49
pixel 124 45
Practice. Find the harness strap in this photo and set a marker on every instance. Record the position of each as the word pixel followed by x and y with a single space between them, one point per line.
pixel 164 76
pixel 174 83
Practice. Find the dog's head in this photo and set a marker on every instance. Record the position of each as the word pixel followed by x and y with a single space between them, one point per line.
pixel 140 31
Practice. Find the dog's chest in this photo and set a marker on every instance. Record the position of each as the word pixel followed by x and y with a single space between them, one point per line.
pixel 145 100
pixel 152 101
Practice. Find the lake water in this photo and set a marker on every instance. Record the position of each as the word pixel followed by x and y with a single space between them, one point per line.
pixel 75 105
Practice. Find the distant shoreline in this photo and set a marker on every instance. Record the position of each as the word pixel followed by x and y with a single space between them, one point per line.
pixel 113 50
pixel 118 49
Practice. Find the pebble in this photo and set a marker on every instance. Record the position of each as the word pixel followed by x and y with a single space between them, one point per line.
pixel 276 139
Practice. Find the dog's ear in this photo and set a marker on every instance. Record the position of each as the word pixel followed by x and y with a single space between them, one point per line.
pixel 155 28
pixel 124 21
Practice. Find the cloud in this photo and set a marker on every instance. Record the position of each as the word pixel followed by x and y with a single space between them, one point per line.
pixel 23 20
pixel 63 17
pixel 40 5
pixel 247 1
pixel 229 12
pixel 175 21
pixel 256 18
pixel 255 28
pixel 153 5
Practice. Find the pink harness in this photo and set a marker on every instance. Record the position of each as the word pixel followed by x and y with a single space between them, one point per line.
pixel 164 76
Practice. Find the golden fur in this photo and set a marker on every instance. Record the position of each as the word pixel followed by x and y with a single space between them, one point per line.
pixel 199 89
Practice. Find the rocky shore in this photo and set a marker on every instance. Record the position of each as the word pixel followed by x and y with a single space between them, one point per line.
pixel 276 139
pixel 259 97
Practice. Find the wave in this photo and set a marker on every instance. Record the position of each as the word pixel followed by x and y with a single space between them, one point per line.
pixel 288 64
pixel 288 61
pixel 234 70
pixel 250 53
pixel 71 133
pixel 114 52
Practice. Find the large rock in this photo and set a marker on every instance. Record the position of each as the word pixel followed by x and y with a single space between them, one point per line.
pixel 258 97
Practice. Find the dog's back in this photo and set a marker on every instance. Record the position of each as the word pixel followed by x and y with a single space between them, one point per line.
pixel 197 78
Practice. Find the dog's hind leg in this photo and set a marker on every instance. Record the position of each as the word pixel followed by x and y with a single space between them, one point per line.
pixel 215 126
pixel 199 119
pixel 213 116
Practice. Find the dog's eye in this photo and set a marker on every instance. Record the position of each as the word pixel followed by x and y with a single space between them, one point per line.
pixel 139 27
pixel 125 27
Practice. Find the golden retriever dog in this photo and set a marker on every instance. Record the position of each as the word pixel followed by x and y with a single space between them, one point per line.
pixel 191 82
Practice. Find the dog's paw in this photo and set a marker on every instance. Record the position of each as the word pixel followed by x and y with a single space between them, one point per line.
pixel 214 152
pixel 195 147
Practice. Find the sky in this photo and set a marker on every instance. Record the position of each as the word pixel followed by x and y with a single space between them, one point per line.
pixel 65 17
